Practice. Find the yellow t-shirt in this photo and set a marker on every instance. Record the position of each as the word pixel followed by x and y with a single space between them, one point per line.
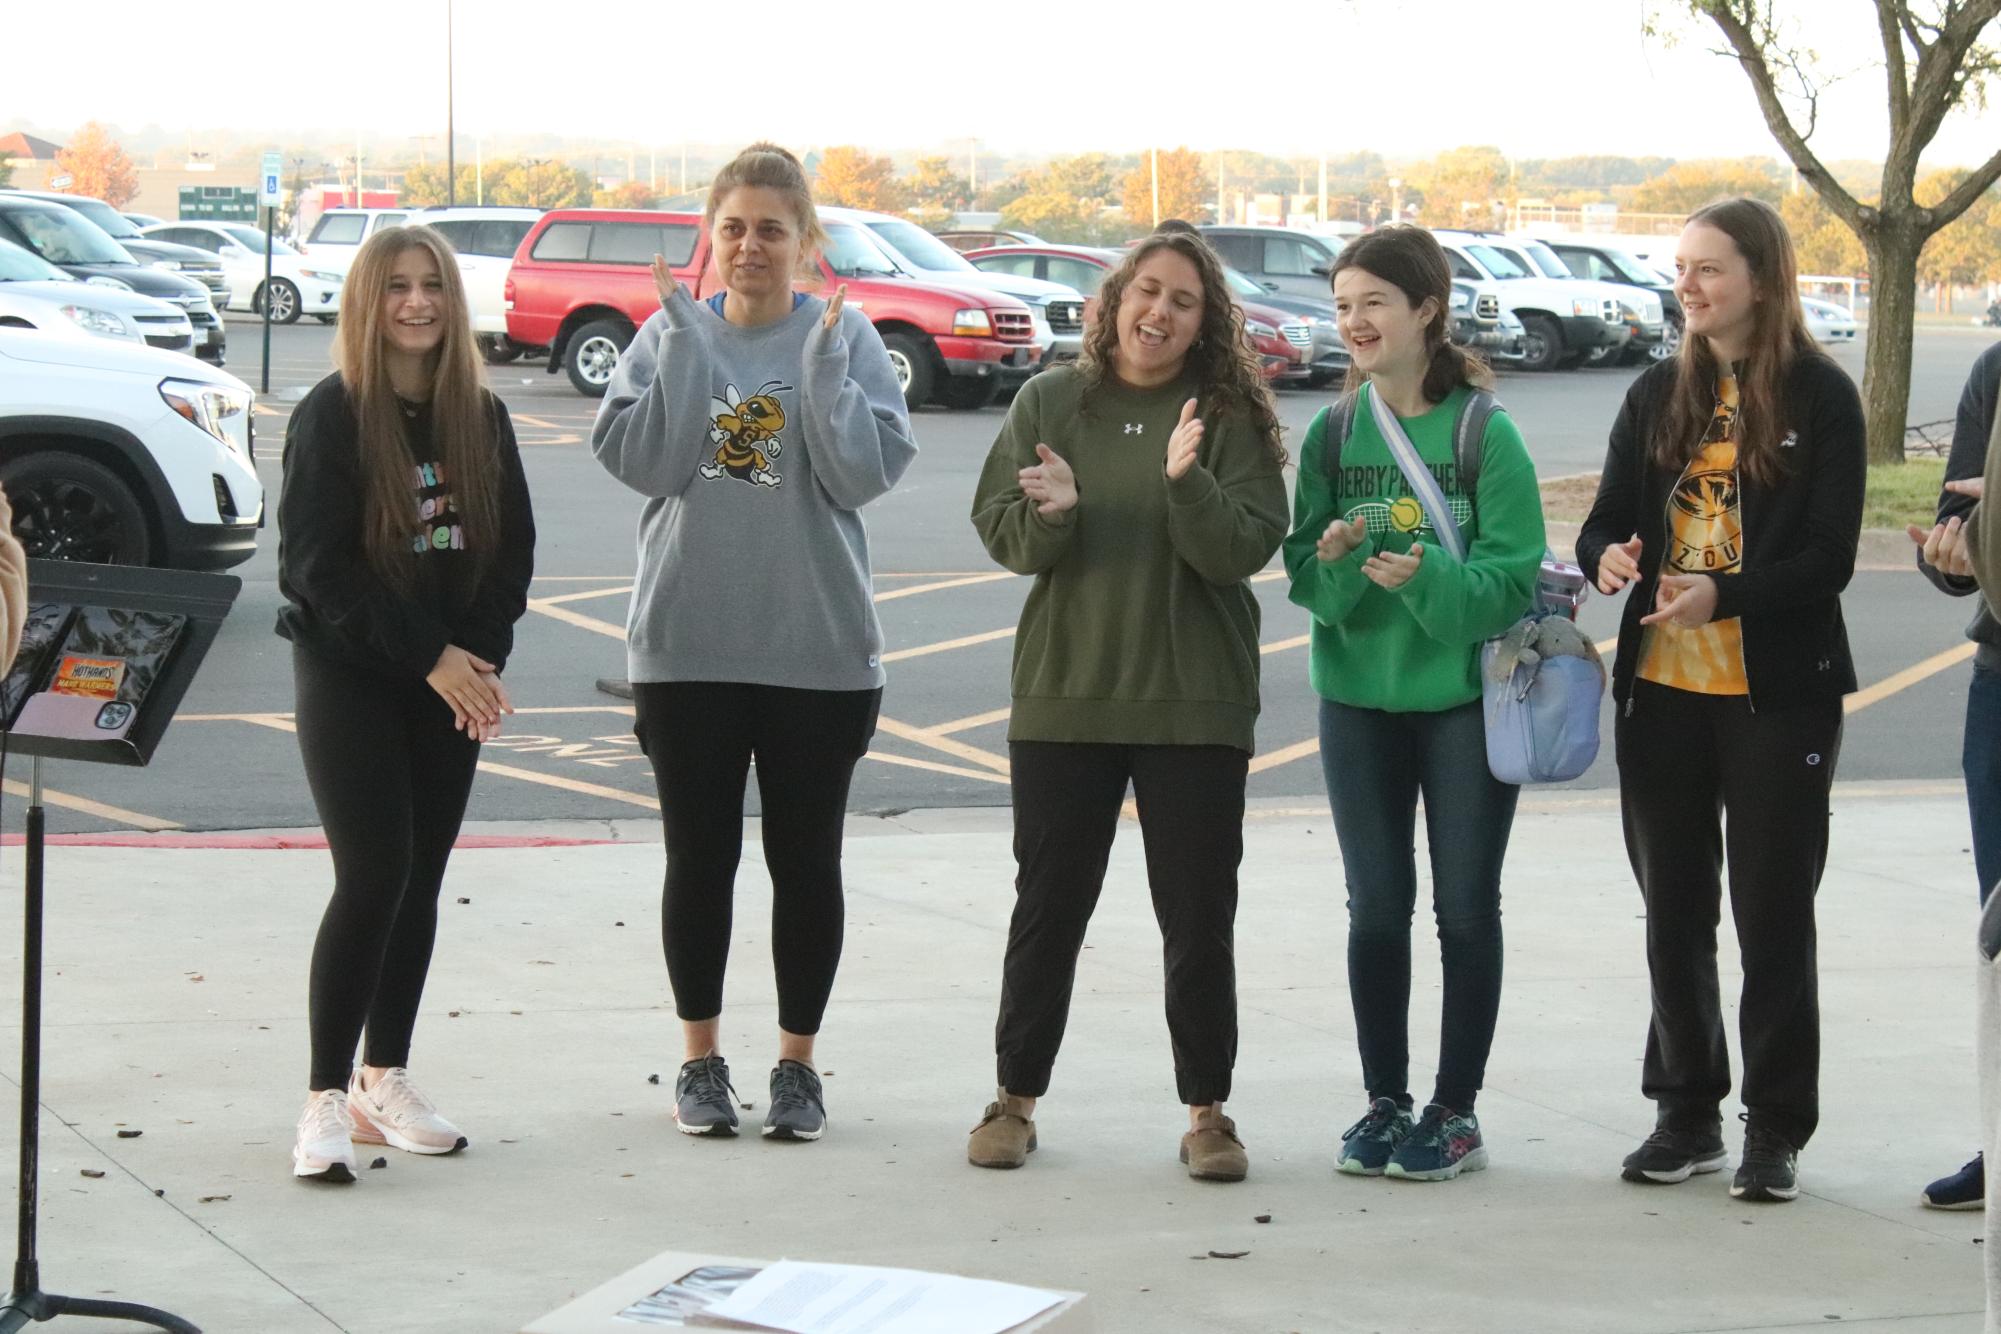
pixel 1706 536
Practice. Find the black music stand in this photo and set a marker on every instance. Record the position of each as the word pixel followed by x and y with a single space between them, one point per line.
pixel 107 655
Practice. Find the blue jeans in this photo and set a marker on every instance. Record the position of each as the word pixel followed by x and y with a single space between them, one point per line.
pixel 1980 760
pixel 1377 764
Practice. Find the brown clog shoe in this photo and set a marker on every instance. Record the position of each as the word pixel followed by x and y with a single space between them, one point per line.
pixel 1212 1150
pixel 1005 1136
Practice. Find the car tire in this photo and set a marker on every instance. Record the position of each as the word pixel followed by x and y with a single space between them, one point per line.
pixel 498 349
pixel 910 356
pixel 593 355
pixel 967 393
pixel 68 507
pixel 284 302
pixel 1669 344
pixel 326 319
pixel 1542 343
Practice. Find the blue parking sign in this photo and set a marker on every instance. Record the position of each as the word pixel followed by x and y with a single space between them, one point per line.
pixel 268 188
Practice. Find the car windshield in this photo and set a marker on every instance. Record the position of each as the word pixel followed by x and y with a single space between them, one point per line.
pixel 1498 262
pixel 852 252
pixel 62 237
pixel 1242 286
pixel 920 247
pixel 1631 269
pixel 18 266
pixel 116 224
pixel 254 239
pixel 1547 258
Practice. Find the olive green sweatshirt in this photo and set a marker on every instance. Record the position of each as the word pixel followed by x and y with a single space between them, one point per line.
pixel 1140 628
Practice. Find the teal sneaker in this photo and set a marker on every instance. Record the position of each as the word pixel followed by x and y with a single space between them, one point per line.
pixel 1441 1146
pixel 1367 1145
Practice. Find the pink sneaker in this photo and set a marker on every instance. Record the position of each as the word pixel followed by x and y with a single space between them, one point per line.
pixel 324 1147
pixel 396 1114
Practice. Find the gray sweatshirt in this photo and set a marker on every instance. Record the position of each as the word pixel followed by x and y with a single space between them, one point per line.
pixel 756 450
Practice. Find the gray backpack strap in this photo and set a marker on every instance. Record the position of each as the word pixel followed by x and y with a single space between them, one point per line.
pixel 1469 437
pixel 1340 425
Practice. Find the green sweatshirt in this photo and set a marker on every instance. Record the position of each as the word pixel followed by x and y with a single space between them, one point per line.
pixel 1413 649
pixel 1140 628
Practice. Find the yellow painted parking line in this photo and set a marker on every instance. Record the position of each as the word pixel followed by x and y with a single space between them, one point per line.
pixel 580 578
pixel 1272 759
pixel 1281 645
pixel 933 767
pixel 959 582
pixel 1909 677
pixel 936 574
pixel 585 594
pixel 542 422
pixel 968 724
pixel 959 749
pixel 946 646
pixel 577 618
pixel 1266 576
pixel 1605 646
pixel 152 824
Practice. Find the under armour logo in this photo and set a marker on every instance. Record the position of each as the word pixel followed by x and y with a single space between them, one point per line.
pixel 1792 438
pixel 1135 428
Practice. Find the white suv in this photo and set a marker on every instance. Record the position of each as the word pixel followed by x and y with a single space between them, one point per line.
pixel 1563 319
pixel 125 455
pixel 484 237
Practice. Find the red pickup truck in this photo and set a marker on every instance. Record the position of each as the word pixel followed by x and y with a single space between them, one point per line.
pixel 581 285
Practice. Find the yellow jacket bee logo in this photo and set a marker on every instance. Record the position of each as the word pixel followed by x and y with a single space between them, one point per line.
pixel 745 432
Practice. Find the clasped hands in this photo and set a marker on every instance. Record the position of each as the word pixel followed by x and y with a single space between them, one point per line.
pixel 1385 569
pixel 1944 546
pixel 471 685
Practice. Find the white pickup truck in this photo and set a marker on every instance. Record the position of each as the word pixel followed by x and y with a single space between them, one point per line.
pixel 1564 319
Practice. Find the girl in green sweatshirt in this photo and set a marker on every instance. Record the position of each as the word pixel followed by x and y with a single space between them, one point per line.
pixel 1397 628
pixel 1142 489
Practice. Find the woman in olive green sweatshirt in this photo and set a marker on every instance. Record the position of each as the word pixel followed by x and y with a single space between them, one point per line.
pixel 1397 628
pixel 1142 489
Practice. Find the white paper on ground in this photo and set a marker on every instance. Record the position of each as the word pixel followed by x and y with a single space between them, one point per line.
pixel 803 1298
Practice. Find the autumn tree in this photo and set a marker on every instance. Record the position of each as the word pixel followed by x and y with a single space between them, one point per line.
pixel 537 183
pixel 6 172
pixel 1687 186
pixel 1936 54
pixel 1822 242
pixel 935 184
pixel 1184 189
pixel 851 178
pixel 97 167
pixel 1461 185
pixel 426 185
pixel 629 194
pixel 1966 250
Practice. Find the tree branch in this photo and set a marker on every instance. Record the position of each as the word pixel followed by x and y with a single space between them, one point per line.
pixel 1890 14
pixel 1750 54
pixel 1969 191
pixel 1940 73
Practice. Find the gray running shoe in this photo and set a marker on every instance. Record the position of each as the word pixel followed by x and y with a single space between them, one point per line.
pixel 797 1109
pixel 704 1102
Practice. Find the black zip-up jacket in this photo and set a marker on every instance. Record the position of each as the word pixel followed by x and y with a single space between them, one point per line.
pixel 1800 534
pixel 337 605
pixel 1973 424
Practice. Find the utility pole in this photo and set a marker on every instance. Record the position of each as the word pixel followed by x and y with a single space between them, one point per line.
pixel 1323 189
pixel 684 166
pixel 653 168
pixel 451 143
pixel 1155 152
pixel 972 167
pixel 478 170
pixel 1219 189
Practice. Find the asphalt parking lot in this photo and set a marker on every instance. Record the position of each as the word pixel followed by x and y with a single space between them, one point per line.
pixel 948 614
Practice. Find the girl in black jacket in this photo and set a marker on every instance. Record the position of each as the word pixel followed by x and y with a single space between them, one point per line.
pixel 405 549
pixel 1731 502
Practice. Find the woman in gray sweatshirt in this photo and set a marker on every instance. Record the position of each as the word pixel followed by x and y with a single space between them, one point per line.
pixel 757 424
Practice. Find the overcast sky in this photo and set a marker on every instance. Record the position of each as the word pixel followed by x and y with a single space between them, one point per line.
pixel 1539 78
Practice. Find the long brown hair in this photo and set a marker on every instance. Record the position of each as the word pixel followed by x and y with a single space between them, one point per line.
pixel 766 166
pixel 1410 259
pixel 463 424
pixel 1225 366
pixel 1779 338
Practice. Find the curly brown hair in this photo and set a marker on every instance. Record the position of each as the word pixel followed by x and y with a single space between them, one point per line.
pixel 1224 364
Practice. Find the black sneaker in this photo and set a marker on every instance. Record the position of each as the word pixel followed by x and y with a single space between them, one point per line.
pixel 1670 1157
pixel 1964 1189
pixel 704 1102
pixel 1367 1145
pixel 1769 1169
pixel 797 1110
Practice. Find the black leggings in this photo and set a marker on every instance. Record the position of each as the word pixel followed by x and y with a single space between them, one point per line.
pixel 701 737
pixel 390 776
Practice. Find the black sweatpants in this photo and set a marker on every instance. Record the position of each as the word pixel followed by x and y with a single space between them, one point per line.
pixel 390 775
pixel 1689 763
pixel 701 737
pixel 1066 810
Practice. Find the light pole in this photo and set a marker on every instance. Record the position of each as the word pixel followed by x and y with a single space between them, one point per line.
pixel 1155 152
pixel 1396 199
pixel 451 158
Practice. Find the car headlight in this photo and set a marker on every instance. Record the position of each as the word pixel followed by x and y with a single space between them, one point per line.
pixel 1583 306
pixel 1259 329
pixel 171 265
pixel 1322 322
pixel 209 406
pixel 971 323
pixel 319 277
pixel 115 284
pixel 101 322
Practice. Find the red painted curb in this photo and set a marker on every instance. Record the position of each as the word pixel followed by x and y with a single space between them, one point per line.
pixel 284 842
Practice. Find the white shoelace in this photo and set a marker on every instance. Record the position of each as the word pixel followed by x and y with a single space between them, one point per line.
pixel 399 1099
pixel 326 1117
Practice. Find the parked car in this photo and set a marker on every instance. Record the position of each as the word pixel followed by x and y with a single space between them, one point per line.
pixel 297 288
pixel 1608 263
pixel 1290 260
pixel 582 284
pixel 1287 343
pixel 1562 320
pixel 976 240
pixel 35 294
pixel 1478 319
pixel 339 232
pixel 1827 322
pixel 485 238
pixel 184 260
pixel 125 455
pixel 1058 308
pixel 143 220
pixel 1644 311
pixel 79 247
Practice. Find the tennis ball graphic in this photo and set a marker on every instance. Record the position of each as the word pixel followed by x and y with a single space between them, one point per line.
pixel 1406 515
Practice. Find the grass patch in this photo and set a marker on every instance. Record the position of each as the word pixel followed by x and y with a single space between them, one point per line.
pixel 1898 494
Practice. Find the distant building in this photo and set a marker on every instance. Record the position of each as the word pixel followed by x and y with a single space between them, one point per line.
pixel 25 152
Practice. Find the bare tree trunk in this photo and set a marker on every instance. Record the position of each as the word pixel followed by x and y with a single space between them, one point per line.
pixel 1886 379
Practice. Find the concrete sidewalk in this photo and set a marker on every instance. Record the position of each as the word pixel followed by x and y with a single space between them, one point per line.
pixel 176 1006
